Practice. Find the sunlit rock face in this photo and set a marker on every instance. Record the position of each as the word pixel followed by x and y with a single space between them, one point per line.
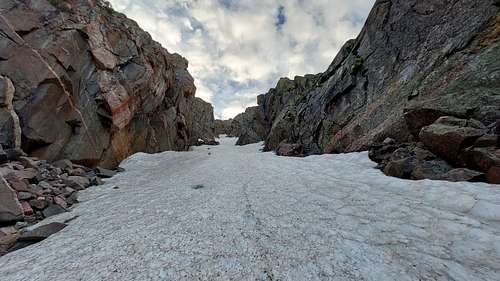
pixel 91 86
pixel 438 56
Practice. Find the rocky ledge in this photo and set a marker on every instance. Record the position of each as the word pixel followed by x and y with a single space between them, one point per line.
pixel 85 83
pixel 32 190
pixel 449 149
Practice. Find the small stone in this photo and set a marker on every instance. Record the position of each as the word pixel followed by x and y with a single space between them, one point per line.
pixel 64 164
pixel 53 210
pixel 17 183
pixel 82 181
pixel 29 162
pixel 104 173
pixel 27 210
pixel 68 191
pixel 96 181
pixel 72 199
pixel 77 172
pixel 61 202
pixel 39 203
pixel 487 140
pixel 27 174
pixel 21 225
pixel 389 141
pixel 44 185
pixel 24 195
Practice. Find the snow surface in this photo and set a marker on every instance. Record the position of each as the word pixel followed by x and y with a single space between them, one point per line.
pixel 238 214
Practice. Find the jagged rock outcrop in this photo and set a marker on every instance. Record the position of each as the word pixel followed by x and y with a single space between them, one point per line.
pixel 203 122
pixel 435 57
pixel 91 86
pixel 248 126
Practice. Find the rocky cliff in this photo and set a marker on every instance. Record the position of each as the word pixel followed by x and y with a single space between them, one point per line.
pixel 419 59
pixel 87 84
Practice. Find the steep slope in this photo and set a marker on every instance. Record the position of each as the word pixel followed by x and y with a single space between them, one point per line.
pixel 239 214
pixel 430 58
pixel 91 86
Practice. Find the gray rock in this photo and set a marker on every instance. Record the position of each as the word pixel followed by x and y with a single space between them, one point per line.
pixel 104 173
pixel 10 208
pixel 64 164
pixel 42 232
pixel 52 210
pixel 462 174
pixel 39 204
pixel 84 182
pixel 24 196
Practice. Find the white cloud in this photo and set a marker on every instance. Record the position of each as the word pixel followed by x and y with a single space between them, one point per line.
pixel 235 47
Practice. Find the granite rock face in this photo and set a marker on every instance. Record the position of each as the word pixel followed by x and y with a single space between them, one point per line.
pixel 431 58
pixel 91 86
pixel 203 122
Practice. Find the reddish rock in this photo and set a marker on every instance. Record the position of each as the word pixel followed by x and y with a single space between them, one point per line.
pixel 416 119
pixel 27 174
pixel 139 90
pixel 448 136
pixel 487 141
pixel 61 202
pixel 287 149
pixel 17 183
pixel 481 158
pixel 493 175
pixel 28 211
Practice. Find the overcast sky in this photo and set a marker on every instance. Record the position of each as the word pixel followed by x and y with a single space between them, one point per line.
pixel 238 49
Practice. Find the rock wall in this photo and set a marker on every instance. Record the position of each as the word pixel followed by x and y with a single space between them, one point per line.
pixel 91 86
pixel 433 57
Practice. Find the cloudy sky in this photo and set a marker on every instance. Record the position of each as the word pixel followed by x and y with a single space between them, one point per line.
pixel 238 49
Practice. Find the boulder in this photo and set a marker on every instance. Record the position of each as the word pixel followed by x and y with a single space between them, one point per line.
pixel 463 174
pixel 448 136
pixel 42 232
pixel 84 182
pixel 64 164
pixel 290 150
pixel 493 175
pixel 10 208
pixel 418 118
pixel 10 129
pixel 53 210
pixel 481 158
